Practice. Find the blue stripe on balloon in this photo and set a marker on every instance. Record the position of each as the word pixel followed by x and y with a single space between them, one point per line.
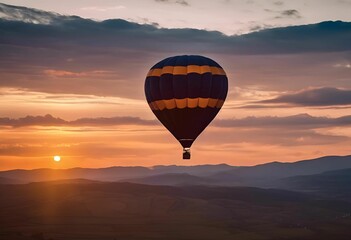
pixel 186 60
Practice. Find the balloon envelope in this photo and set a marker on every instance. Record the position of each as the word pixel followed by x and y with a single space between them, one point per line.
pixel 186 93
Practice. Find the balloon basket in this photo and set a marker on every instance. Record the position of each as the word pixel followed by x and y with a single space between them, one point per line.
pixel 186 153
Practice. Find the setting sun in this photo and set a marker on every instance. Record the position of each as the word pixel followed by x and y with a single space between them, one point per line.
pixel 57 158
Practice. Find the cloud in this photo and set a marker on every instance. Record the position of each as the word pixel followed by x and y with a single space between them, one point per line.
pixel 342 65
pixel 46 120
pixel 272 137
pixel 344 1
pixel 49 120
pixel 326 96
pixel 290 13
pixel 63 73
pixel 30 15
pixel 117 33
pixel 145 21
pixel 40 57
pixel 258 26
pixel 180 2
pixel 103 9
pixel 113 121
pixel 301 121
pixel 296 130
pixel 278 3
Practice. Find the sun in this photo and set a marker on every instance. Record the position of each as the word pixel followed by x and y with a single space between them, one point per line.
pixel 57 158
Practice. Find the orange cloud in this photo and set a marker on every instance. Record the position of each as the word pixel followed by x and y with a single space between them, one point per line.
pixel 64 73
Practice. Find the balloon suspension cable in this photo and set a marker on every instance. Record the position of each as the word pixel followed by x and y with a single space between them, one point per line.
pixel 186 153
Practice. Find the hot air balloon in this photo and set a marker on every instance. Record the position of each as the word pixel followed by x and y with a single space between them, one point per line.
pixel 186 93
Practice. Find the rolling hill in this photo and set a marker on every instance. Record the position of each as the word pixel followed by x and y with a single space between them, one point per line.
pixel 265 175
pixel 109 174
pixel 54 210
pixel 332 184
pixel 4 180
pixel 172 179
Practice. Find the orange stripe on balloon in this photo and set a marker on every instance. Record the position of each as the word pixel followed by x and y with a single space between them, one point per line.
pixel 184 70
pixel 186 103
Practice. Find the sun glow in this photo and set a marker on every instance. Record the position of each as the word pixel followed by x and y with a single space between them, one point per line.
pixel 57 158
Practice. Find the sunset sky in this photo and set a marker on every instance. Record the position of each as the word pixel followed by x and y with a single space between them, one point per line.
pixel 72 80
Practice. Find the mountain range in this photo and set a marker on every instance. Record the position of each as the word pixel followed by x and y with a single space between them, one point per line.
pixel 306 173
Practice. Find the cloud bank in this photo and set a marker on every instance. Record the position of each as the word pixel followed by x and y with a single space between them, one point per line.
pixel 180 2
pixel 49 120
pixel 40 50
pixel 304 121
pixel 326 96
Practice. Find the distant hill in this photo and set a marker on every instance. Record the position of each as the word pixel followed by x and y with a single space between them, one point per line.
pixel 334 184
pixel 264 175
pixel 199 170
pixel 99 174
pixel 4 180
pixel 109 174
pixel 172 179
pixel 71 181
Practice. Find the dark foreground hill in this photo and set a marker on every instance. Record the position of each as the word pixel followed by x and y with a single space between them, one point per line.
pixel 83 210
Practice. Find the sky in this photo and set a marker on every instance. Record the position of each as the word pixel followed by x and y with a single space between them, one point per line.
pixel 227 16
pixel 72 80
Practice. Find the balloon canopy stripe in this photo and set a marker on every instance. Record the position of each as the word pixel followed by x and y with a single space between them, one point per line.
pixel 186 60
pixel 170 86
pixel 186 103
pixel 184 70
